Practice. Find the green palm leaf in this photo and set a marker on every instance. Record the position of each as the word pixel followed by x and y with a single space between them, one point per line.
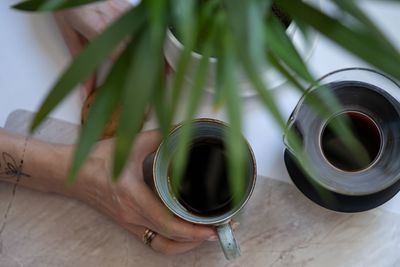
pixel 281 45
pixel 180 157
pixel 105 103
pixel 51 5
pixel 360 42
pixel 235 144
pixel 137 91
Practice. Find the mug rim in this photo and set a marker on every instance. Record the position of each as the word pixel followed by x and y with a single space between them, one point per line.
pixel 216 220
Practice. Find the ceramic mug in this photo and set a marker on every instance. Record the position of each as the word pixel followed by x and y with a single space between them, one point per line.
pixel 211 130
pixel 369 101
pixel 173 49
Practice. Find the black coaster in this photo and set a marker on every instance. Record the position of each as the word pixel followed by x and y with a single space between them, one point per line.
pixel 332 200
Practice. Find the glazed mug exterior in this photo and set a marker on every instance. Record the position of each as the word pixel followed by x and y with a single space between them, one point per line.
pixel 202 128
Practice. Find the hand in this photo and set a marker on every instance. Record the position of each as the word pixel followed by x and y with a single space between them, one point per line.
pixel 80 25
pixel 132 204
pixel 90 20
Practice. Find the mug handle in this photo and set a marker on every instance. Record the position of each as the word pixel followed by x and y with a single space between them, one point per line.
pixel 228 242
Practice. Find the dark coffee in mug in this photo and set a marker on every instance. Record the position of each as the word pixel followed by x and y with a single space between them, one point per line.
pixel 364 129
pixel 204 188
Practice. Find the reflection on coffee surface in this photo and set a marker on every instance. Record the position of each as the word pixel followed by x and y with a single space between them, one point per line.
pixel 364 129
pixel 204 188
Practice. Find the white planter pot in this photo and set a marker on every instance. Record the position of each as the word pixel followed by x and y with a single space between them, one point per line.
pixel 173 49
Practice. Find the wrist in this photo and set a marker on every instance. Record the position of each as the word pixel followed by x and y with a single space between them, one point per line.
pixel 89 183
pixel 48 167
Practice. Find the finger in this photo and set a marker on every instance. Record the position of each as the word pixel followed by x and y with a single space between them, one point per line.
pixel 171 247
pixel 89 21
pixel 168 224
pixel 70 36
pixel 90 85
pixel 235 224
pixel 92 19
pixel 75 43
pixel 85 20
pixel 146 143
pixel 162 244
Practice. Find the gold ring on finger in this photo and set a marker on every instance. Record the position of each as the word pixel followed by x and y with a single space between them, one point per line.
pixel 148 236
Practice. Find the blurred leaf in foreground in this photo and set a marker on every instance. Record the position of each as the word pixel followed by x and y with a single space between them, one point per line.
pixel 51 5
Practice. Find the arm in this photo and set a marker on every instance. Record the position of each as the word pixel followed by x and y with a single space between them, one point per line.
pixel 34 164
pixel 130 202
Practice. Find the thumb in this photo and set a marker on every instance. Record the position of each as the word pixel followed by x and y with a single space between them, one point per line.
pixel 147 142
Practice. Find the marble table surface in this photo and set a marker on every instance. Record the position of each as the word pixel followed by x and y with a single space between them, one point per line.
pixel 279 227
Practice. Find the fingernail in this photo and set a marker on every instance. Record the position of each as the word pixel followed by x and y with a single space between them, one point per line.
pixel 212 238
pixel 235 225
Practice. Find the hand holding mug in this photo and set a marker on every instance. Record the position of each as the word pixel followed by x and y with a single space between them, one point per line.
pixel 132 204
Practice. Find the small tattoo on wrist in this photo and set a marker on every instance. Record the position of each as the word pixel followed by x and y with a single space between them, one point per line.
pixel 9 167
